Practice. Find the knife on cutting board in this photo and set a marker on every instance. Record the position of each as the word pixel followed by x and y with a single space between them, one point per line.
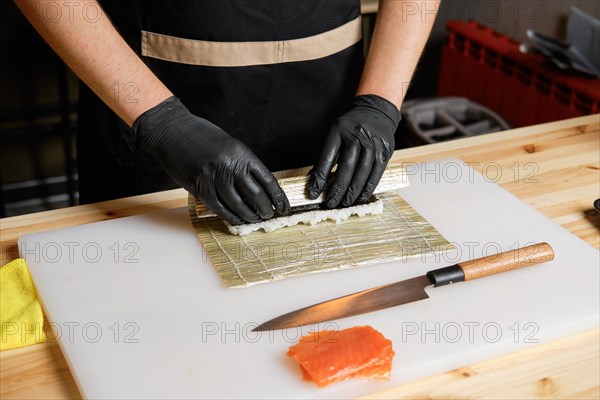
pixel 410 290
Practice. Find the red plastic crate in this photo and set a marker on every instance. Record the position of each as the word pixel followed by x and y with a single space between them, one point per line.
pixel 488 68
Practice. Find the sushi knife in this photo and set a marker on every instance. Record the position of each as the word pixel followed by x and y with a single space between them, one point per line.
pixel 410 290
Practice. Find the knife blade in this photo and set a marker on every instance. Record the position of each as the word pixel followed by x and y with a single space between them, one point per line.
pixel 410 290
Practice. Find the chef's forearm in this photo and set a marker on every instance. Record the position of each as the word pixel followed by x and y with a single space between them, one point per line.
pixel 95 51
pixel 400 34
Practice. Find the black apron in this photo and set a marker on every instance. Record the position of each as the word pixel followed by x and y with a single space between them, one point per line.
pixel 282 110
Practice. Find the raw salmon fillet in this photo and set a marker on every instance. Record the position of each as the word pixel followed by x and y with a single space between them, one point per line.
pixel 331 356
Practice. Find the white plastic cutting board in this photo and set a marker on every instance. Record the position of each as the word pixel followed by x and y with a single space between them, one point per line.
pixel 152 319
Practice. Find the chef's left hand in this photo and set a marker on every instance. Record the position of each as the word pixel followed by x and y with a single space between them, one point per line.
pixel 362 142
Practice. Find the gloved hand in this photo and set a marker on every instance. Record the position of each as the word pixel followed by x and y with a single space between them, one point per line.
pixel 362 142
pixel 216 168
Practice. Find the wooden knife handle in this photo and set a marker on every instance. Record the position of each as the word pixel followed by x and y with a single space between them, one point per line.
pixel 494 264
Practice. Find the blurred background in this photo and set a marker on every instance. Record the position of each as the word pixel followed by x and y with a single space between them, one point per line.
pixel 475 52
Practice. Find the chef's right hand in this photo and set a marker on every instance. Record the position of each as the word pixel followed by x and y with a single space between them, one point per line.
pixel 216 168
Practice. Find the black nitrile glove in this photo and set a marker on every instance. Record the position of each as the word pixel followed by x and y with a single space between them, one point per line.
pixel 216 168
pixel 362 142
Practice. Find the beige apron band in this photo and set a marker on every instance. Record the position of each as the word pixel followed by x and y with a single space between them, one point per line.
pixel 241 54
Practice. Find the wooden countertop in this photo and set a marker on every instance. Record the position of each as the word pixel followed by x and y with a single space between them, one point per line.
pixel 554 167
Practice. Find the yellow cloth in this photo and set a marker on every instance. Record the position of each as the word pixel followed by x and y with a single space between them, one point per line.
pixel 21 318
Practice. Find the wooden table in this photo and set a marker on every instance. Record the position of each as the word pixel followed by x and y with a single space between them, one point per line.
pixel 554 167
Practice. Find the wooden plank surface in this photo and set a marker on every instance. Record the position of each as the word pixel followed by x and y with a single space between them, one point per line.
pixel 554 167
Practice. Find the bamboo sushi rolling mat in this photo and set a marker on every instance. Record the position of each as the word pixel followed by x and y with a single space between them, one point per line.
pixel 397 234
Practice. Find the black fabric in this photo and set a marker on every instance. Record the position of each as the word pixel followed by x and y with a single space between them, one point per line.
pixel 230 20
pixel 282 112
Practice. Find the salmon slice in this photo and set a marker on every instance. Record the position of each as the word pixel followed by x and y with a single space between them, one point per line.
pixel 332 356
